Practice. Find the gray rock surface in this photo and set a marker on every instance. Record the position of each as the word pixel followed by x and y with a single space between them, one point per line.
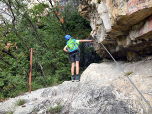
pixel 103 89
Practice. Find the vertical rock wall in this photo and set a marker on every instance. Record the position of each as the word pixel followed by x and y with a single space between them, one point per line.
pixel 123 26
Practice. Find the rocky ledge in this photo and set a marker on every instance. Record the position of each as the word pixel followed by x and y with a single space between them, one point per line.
pixel 103 89
pixel 123 26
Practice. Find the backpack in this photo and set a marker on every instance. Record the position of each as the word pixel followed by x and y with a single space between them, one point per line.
pixel 72 45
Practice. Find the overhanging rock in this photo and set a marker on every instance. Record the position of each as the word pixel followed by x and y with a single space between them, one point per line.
pixel 123 26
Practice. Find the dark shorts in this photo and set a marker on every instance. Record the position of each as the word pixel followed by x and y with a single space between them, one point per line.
pixel 75 56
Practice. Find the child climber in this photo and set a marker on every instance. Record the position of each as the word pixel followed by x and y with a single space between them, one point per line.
pixel 72 48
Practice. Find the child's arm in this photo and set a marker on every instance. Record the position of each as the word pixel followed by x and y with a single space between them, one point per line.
pixel 86 41
pixel 65 49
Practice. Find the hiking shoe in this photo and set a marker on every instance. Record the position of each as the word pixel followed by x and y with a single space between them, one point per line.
pixel 77 78
pixel 72 78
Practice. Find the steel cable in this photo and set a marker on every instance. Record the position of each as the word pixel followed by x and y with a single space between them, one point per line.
pixel 126 76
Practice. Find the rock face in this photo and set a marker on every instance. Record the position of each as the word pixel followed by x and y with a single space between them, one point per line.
pixel 103 89
pixel 61 2
pixel 123 26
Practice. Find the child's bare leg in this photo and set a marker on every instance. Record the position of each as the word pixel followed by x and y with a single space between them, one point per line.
pixel 72 68
pixel 77 71
pixel 77 67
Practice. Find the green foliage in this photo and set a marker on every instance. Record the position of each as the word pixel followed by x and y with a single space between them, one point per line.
pixel 37 12
pixel 20 102
pixel 128 73
pixel 88 56
pixel 10 112
pixel 51 65
pixel 55 110
pixel 98 1
pixel 77 26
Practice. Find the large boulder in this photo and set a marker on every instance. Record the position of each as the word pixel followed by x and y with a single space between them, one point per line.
pixel 103 89
pixel 123 26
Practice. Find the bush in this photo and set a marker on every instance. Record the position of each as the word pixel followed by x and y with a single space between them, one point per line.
pixel 128 73
pixel 20 102
pixel 55 110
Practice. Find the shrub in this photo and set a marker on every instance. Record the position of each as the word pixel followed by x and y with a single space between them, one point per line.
pixel 99 1
pixel 20 102
pixel 56 110
pixel 128 73
pixel 10 112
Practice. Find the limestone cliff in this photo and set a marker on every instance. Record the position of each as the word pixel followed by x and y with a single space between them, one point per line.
pixel 103 89
pixel 123 26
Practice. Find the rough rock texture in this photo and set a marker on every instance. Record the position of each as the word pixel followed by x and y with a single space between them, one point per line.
pixel 103 89
pixel 70 2
pixel 123 26
pixel 61 2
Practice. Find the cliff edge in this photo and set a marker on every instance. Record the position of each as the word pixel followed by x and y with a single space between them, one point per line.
pixel 103 89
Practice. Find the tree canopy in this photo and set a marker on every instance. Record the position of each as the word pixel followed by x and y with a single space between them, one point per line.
pixel 42 28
